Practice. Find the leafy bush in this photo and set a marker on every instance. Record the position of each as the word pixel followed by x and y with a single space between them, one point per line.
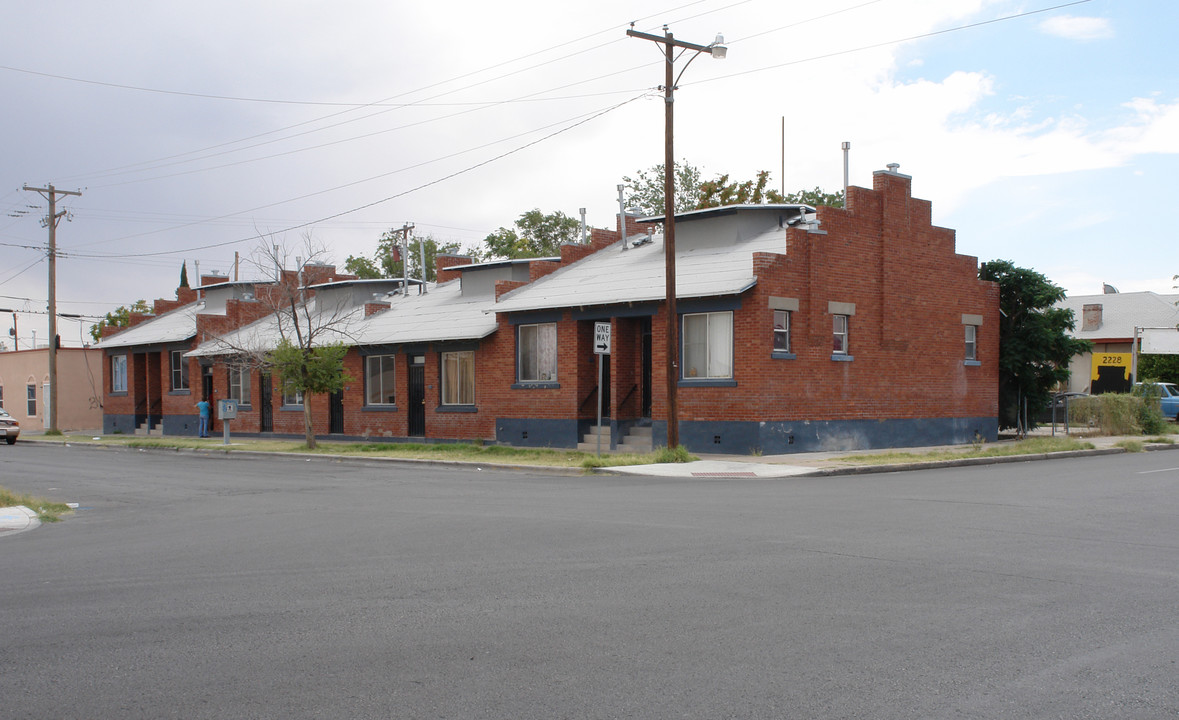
pixel 1119 414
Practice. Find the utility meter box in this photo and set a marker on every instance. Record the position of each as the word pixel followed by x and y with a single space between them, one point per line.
pixel 227 409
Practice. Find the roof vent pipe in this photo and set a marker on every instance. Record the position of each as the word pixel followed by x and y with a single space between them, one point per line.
pixel 582 211
pixel 893 167
pixel 622 215
pixel 197 264
pixel 846 151
pixel 422 259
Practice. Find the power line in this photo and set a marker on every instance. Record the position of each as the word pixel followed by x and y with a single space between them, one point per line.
pixel 586 117
pixel 386 199
pixel 886 43
pixel 612 28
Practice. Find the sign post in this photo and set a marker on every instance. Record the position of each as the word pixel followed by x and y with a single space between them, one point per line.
pixel 601 347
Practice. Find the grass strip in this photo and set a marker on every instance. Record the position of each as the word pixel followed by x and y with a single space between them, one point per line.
pixel 461 452
pixel 47 510
pixel 1030 446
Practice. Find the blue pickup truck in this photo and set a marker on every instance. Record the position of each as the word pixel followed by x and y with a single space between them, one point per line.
pixel 1168 397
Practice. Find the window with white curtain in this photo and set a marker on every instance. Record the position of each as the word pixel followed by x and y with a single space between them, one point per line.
pixel 118 373
pixel 536 352
pixel 708 345
pixel 458 378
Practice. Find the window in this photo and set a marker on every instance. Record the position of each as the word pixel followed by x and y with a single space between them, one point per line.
pixel 708 345
pixel 239 385
pixel 839 335
pixel 118 373
pixel 292 397
pixel 379 380
pixel 971 342
pixel 458 378
pixel 1 397
pixel 782 331
pixel 179 371
pixel 31 410
pixel 536 353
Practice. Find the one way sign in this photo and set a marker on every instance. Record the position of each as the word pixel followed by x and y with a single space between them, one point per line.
pixel 602 338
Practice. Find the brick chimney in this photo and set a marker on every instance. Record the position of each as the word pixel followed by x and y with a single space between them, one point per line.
pixel 1091 317
pixel 443 262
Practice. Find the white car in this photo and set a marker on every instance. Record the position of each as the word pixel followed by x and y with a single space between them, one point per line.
pixel 9 427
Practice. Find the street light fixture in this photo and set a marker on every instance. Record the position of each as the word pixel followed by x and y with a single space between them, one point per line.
pixel 718 51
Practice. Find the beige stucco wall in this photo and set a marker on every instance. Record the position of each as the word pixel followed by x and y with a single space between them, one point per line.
pixel 79 376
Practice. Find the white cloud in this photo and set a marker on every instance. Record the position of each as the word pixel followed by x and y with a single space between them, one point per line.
pixel 1078 28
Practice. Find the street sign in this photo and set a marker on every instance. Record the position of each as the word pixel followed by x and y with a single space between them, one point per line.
pixel 602 338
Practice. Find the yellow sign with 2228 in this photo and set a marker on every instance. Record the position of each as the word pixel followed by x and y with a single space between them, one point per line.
pixel 1116 360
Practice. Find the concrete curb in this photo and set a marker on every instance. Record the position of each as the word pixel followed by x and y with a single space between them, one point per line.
pixel 17 519
pixel 685 470
pixel 258 454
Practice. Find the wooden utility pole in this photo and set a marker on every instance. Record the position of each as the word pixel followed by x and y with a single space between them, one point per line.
pixel 50 193
pixel 718 51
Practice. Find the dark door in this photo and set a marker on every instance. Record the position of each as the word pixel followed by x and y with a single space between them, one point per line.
pixel 645 332
pixel 336 413
pixel 417 396
pixel 267 411
pixel 207 393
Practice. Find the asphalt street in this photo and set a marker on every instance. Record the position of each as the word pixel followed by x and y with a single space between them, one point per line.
pixel 221 587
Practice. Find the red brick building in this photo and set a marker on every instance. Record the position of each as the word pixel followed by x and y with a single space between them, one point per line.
pixel 799 330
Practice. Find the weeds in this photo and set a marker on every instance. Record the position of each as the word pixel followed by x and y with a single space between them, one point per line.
pixel 1031 446
pixel 47 510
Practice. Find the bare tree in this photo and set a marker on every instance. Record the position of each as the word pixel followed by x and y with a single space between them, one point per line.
pixel 303 334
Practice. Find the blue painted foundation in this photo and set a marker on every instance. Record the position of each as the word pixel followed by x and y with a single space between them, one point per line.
pixel 532 432
pixel 182 425
pixel 779 438
pixel 115 424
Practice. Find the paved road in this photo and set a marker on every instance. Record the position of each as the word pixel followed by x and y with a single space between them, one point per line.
pixel 220 587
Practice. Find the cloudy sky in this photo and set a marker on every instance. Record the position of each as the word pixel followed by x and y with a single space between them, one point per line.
pixel 1045 132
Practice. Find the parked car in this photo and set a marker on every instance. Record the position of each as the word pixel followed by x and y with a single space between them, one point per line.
pixel 9 427
pixel 1168 396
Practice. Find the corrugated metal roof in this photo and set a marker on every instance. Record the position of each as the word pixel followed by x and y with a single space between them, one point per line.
pixel 174 326
pixel 613 275
pixel 1121 312
pixel 728 210
pixel 441 314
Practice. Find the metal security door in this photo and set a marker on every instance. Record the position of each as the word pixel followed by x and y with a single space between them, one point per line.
pixel 417 397
pixel 336 413
pixel 267 410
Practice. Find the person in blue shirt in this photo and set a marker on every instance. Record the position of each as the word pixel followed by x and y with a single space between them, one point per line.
pixel 203 406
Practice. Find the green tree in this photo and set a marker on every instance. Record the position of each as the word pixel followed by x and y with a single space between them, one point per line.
pixel 183 274
pixel 1034 342
pixel 309 369
pixel 536 235
pixel 645 189
pixel 692 193
pixel 722 191
pixel 119 317
pixel 387 262
pixel 1163 368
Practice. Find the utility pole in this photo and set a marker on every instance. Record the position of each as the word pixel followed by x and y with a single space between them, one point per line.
pixel 403 250
pixel 718 51
pixel 50 193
